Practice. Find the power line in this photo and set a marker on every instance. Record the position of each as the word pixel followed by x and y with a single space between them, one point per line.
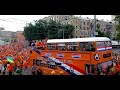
pixel 18 19
pixel 10 21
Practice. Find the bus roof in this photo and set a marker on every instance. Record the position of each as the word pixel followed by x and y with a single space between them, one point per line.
pixel 88 39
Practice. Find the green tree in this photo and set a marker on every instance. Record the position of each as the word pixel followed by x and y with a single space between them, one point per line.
pixel 41 29
pixel 101 34
pixel 29 32
pixel 117 19
pixel 53 28
pixel 36 31
pixel 68 29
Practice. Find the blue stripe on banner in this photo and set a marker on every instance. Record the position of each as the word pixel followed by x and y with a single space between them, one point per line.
pixel 37 51
pixel 76 57
pixel 101 50
pixel 108 49
pixel 62 67
pixel 68 71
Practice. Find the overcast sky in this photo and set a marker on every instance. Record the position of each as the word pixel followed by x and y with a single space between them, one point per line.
pixel 17 22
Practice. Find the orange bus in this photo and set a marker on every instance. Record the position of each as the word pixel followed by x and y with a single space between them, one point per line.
pixel 76 56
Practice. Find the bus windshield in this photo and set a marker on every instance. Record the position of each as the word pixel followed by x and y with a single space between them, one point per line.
pixel 104 45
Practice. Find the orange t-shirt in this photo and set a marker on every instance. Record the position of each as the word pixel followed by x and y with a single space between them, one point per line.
pixel 0 62
pixel 4 62
pixel 10 69
pixel 26 64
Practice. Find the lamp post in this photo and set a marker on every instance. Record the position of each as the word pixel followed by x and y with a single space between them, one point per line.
pixel 94 29
pixel 63 33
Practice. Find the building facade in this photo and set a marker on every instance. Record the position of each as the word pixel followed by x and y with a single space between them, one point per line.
pixel 58 18
pixel 84 26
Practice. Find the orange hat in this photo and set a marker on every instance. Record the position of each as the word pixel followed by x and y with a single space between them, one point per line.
pixel 53 73
pixel 61 72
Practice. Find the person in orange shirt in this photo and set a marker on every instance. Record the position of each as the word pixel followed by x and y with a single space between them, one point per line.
pixel 26 64
pixel 10 69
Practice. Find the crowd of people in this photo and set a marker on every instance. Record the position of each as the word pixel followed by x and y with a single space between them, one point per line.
pixel 20 53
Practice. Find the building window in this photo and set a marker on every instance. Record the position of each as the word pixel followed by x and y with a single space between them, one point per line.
pixel 84 33
pixel 76 22
pixel 84 23
pixel 76 31
pixel 87 28
pixel 80 32
pixel 76 36
pixel 91 26
pixel 66 18
pixel 84 28
pixel 98 25
pixel 87 23
pixel 80 27
pixel 71 22
pixel 76 27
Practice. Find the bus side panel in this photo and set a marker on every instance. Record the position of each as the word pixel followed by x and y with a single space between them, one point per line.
pixel 100 57
pixel 74 60
pixel 47 71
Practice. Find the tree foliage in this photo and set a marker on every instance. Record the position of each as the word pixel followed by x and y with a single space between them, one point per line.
pixel 66 31
pixel 41 29
pixel 101 34
pixel 117 19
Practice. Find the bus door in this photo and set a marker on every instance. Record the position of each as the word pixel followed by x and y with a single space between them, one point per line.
pixel 90 69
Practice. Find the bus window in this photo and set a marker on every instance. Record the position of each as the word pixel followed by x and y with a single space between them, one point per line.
pixel 100 44
pixel 72 46
pixel 108 44
pixel 90 69
pixel 51 46
pixel 87 68
pixel 87 46
pixel 61 46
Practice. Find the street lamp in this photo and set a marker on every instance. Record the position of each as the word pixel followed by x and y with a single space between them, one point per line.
pixel 63 33
pixel 94 29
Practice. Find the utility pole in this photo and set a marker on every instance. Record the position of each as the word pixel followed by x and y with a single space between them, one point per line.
pixel 63 33
pixel 94 29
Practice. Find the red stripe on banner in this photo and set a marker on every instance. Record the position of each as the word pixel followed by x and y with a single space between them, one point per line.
pixel 101 47
pixel 76 68
pixel 108 47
